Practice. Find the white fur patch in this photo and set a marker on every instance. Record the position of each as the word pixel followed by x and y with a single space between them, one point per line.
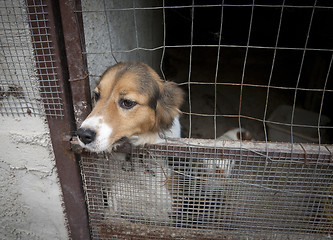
pixel 173 132
pixel 152 138
pixel 236 134
pixel 103 133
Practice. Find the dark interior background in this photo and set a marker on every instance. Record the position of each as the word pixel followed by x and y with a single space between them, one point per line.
pixel 288 67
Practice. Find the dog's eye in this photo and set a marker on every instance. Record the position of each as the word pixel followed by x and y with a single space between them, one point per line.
pixel 97 96
pixel 126 103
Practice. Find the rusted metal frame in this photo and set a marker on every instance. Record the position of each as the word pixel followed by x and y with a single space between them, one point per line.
pixel 176 150
pixel 180 150
pixel 60 128
pixel 105 227
pixel 71 18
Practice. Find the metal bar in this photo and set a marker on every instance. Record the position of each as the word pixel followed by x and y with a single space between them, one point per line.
pixel 74 45
pixel 201 148
pixel 67 166
pixel 210 6
pixel 210 46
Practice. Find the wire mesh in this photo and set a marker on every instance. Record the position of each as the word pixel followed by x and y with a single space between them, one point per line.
pixel 234 75
pixel 28 77
pixel 164 188
pixel 262 67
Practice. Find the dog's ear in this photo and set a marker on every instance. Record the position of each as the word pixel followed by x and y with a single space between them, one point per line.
pixel 168 104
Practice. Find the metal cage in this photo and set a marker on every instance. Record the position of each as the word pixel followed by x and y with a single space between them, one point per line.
pixel 211 189
pixel 172 191
pixel 264 67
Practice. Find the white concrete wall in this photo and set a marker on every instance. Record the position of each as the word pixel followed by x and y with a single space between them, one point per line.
pixel 123 31
pixel 30 194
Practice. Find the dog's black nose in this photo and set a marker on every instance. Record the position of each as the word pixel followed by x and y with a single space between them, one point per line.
pixel 86 135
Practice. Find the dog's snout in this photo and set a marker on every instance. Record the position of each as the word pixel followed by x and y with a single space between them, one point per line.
pixel 86 135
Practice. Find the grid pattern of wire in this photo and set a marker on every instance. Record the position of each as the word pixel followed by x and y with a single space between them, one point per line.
pixel 259 56
pixel 263 67
pixel 159 189
pixel 28 81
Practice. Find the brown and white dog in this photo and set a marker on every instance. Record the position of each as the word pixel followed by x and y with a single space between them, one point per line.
pixel 133 104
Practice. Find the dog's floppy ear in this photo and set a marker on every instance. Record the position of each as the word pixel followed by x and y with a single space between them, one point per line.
pixel 168 104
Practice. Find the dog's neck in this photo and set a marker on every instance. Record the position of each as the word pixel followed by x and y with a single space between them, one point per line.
pixel 160 137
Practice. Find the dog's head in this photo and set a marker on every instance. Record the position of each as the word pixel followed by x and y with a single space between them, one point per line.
pixel 131 101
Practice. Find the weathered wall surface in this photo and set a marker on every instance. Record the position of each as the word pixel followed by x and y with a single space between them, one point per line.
pixel 127 34
pixel 30 194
